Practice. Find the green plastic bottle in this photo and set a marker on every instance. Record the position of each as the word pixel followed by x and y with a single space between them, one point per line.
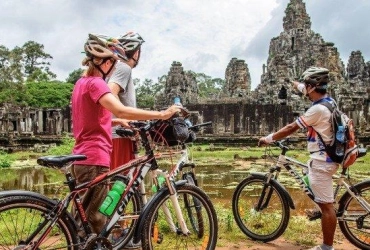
pixel 161 180
pixel 113 196
pixel 306 180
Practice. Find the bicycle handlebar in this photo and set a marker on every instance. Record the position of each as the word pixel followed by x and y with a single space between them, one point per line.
pixel 197 126
pixel 130 132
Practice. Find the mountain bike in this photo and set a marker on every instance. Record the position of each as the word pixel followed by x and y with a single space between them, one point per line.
pixel 261 205
pixel 29 220
pixel 184 165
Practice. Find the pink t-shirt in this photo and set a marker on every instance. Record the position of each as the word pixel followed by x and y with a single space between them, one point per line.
pixel 91 122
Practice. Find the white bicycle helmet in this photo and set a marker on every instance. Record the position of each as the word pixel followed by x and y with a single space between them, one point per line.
pixel 131 41
pixel 316 76
pixel 104 47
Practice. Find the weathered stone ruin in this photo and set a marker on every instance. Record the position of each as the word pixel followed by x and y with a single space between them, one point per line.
pixel 237 112
pixel 179 83
pixel 22 127
pixel 294 50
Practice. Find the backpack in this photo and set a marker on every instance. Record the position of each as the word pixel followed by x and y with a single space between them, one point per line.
pixel 343 148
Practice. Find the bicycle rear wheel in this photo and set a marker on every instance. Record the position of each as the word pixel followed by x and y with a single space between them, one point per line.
pixel 268 222
pixel 162 230
pixel 354 221
pixel 21 217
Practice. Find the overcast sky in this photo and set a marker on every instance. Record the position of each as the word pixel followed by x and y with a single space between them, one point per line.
pixel 201 34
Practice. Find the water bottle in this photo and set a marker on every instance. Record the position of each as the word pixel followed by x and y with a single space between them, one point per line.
pixel 161 180
pixel 340 134
pixel 306 180
pixel 177 101
pixel 113 196
pixel 339 150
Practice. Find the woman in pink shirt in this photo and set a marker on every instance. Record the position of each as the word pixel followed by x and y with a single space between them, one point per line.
pixel 92 108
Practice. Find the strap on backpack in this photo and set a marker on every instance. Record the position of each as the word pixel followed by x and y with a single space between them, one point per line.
pixel 325 102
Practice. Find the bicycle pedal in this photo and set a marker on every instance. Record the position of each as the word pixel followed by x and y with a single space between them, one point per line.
pixel 313 214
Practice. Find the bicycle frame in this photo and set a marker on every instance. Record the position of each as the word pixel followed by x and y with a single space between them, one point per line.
pixel 288 163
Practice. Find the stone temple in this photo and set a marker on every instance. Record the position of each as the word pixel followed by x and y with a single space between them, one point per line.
pixel 239 111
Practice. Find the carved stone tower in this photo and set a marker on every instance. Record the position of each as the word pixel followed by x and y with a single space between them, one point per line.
pixel 293 51
pixel 237 79
pixel 179 83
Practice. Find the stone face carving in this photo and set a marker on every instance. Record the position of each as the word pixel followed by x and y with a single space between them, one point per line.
pixel 179 83
pixel 237 79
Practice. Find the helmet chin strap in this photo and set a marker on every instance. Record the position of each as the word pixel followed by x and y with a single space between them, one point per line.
pixel 110 69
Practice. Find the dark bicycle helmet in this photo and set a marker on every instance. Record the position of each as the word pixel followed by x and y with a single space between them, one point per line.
pixel 104 47
pixel 131 41
pixel 316 76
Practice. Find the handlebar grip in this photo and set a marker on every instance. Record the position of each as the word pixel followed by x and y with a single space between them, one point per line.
pixel 125 132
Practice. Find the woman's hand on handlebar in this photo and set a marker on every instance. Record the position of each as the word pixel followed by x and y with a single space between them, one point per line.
pixel 174 110
pixel 122 122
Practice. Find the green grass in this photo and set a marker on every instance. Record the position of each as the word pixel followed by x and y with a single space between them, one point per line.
pixel 296 232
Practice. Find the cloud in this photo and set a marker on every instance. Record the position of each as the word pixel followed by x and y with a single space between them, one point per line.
pixel 202 35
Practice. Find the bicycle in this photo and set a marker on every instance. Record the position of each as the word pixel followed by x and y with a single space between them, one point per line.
pixel 261 205
pixel 184 166
pixel 29 220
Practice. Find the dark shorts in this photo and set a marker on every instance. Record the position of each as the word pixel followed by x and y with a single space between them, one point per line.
pixel 93 197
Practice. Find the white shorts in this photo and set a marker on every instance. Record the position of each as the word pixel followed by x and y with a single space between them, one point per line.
pixel 320 178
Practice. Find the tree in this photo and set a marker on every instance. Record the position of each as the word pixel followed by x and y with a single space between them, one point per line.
pixel 10 67
pixel 48 94
pixel 74 76
pixel 35 62
pixel 146 93
pixel 207 85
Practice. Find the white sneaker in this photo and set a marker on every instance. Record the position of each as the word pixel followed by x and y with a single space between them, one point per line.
pixel 319 248
pixel 315 248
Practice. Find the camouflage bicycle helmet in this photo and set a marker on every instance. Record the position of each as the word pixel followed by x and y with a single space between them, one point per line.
pixel 131 41
pixel 104 47
pixel 316 76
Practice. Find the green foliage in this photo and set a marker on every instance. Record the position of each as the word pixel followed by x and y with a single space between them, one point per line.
pixel 48 94
pixel 146 93
pixel 5 160
pixel 74 76
pixel 64 148
pixel 35 61
pixel 29 63
pixel 208 86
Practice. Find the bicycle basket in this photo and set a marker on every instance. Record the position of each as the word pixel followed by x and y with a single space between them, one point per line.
pixel 170 132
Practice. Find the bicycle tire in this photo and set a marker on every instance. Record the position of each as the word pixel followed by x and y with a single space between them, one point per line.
pixel 267 224
pixel 157 233
pixel 122 232
pixel 193 203
pixel 354 216
pixel 21 214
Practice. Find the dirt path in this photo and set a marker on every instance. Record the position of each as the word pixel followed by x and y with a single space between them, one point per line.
pixel 280 243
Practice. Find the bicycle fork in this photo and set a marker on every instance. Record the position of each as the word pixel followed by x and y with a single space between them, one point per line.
pixel 266 193
pixel 177 208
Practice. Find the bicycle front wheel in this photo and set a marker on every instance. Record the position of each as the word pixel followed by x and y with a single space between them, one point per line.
pixel 24 218
pixel 162 230
pixel 354 221
pixel 193 205
pixel 267 222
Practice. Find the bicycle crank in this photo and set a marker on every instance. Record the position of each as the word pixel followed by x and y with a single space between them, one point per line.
pixel 98 243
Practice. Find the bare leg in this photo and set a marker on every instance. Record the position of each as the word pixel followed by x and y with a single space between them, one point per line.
pixel 328 223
